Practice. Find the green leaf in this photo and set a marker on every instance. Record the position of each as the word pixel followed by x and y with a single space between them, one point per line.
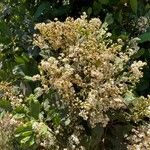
pixel 2 114
pixel 89 11
pixel 143 85
pixel 105 2
pixel 56 119
pixel 18 70
pixel 24 127
pixel 17 135
pixel 6 105
pixel 32 141
pixel 42 9
pixel 19 116
pixel 145 37
pixel 109 19
pixel 21 59
pixel 19 110
pixel 29 78
pixel 134 4
pixel 129 97
pixel 25 140
pixel 120 17
pixel 24 134
pixel 97 134
pixel 139 53
pixel 27 133
pixel 35 109
pixel 96 8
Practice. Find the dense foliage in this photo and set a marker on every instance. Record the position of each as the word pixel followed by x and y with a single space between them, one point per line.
pixel 74 74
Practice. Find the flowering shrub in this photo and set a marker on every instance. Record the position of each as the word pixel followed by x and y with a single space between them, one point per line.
pixel 85 89
pixel 88 70
pixel 91 74
pixel 140 138
pixel 84 93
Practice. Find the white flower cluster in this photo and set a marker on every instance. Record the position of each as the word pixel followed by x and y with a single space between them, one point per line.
pixel 140 138
pixel 143 23
pixel 44 136
pixel 136 67
pixel 86 68
pixel 141 108
pixel 16 99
